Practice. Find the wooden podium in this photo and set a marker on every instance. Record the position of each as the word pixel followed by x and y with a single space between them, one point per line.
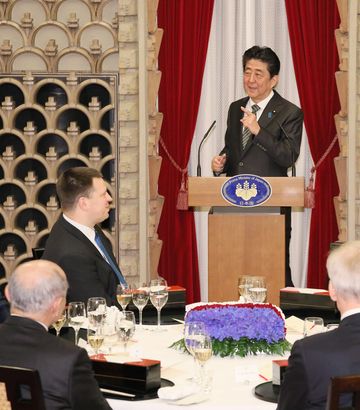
pixel 245 241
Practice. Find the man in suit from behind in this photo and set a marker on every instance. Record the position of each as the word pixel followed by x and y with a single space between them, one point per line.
pixel 315 359
pixel 73 243
pixel 37 295
pixel 274 129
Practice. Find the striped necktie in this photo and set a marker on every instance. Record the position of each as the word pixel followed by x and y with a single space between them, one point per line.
pixel 109 260
pixel 246 134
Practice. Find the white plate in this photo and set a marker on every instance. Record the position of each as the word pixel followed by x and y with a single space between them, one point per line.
pixel 192 399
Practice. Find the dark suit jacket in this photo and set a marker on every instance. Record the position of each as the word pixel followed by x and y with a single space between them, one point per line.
pixel 65 370
pixel 314 360
pixel 271 152
pixel 87 271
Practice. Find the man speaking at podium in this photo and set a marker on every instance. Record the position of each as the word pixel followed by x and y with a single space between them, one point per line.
pixel 264 130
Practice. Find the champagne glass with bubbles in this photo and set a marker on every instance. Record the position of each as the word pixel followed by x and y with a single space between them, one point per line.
pixel 96 311
pixel 140 298
pixel 193 331
pixel 158 296
pixel 95 337
pixel 123 295
pixel 59 323
pixel 77 316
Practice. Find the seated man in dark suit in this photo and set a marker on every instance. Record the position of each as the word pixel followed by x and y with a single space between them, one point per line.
pixel 315 359
pixel 4 304
pixel 37 294
pixel 77 243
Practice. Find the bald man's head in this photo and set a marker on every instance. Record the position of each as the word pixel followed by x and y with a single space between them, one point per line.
pixel 33 286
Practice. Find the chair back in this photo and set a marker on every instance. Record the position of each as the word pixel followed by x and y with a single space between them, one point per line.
pixel 341 385
pixel 37 252
pixel 23 388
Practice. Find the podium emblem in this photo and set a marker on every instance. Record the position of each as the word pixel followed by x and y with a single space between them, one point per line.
pixel 246 190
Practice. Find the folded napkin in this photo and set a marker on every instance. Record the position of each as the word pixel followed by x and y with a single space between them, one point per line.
pixel 177 392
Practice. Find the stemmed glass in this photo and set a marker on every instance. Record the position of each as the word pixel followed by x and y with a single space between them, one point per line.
pixel 96 311
pixel 257 291
pixel 126 326
pixel 123 295
pixel 77 315
pixel 59 323
pixel 158 296
pixel 95 337
pixel 193 331
pixel 140 298
pixel 202 349
pixel 244 284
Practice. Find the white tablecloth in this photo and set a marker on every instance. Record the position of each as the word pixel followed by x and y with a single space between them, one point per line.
pixel 233 378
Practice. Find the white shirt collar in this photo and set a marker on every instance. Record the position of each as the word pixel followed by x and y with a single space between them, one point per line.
pixel 88 232
pixel 262 104
pixel 350 312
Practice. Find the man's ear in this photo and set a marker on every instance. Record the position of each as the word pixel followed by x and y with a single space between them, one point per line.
pixel 332 292
pixel 7 293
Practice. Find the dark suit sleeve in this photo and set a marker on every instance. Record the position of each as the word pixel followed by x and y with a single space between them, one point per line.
pixel 84 390
pixel 294 389
pixel 83 273
pixel 282 148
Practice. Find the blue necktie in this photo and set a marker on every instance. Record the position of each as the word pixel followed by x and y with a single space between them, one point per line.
pixel 109 260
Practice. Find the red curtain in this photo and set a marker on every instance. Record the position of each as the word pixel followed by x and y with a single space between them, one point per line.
pixel 311 29
pixel 182 57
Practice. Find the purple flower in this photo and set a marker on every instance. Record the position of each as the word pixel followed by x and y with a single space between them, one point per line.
pixel 236 321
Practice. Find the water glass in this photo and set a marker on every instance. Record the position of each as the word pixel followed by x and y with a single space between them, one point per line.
pixel 96 311
pixel 244 284
pixel 77 316
pixel 331 326
pixel 257 291
pixel 126 326
pixel 313 325
pixel 158 296
pixel 140 298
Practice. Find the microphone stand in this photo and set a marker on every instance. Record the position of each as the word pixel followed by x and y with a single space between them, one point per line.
pixel 293 169
pixel 198 169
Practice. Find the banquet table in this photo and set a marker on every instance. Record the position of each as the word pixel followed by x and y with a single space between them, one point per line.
pixel 233 379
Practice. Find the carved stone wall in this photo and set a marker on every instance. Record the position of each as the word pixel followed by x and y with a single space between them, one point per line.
pixel 345 177
pixel 58 61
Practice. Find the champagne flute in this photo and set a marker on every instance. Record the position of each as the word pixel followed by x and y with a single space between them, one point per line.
pixel 59 323
pixel 96 311
pixel 244 284
pixel 126 326
pixel 202 349
pixel 95 337
pixel 193 331
pixel 140 298
pixel 158 296
pixel 77 316
pixel 123 295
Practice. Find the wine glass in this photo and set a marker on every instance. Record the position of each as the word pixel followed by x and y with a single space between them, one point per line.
pixel 95 337
pixel 140 297
pixel 59 323
pixel 77 315
pixel 202 349
pixel 257 291
pixel 158 296
pixel 123 295
pixel 96 311
pixel 244 284
pixel 126 326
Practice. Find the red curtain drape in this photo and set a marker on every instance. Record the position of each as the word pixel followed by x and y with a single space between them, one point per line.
pixel 182 57
pixel 311 29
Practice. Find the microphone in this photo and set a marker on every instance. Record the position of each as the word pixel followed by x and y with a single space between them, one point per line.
pixel 293 169
pixel 198 169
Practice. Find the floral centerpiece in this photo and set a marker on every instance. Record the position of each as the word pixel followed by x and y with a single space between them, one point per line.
pixel 239 329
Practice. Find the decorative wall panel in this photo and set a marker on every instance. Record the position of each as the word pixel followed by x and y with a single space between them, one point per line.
pixel 48 124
